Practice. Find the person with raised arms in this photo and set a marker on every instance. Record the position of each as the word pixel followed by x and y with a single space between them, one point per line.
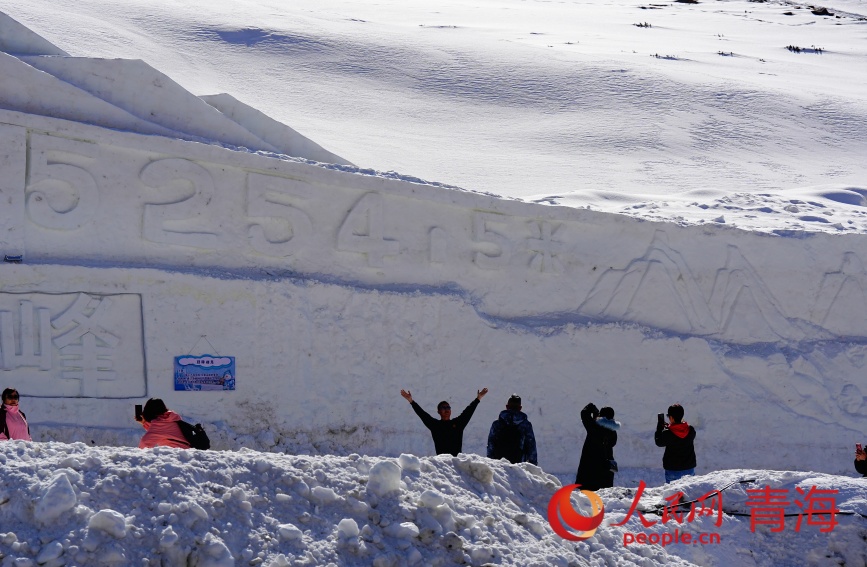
pixel 447 433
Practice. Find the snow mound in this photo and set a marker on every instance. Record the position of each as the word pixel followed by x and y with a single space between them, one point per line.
pixel 832 208
pixel 170 506
pixel 108 521
pixel 384 478
pixel 57 499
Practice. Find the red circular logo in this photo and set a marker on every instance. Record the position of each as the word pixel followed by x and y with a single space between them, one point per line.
pixel 560 507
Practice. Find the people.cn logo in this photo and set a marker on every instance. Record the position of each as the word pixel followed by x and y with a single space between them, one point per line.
pixel 560 512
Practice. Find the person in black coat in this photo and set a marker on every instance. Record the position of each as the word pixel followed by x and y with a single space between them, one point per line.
pixel 597 466
pixel 861 461
pixel 447 433
pixel 677 437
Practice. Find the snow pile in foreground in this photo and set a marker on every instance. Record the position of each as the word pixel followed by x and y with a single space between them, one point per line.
pixel 78 505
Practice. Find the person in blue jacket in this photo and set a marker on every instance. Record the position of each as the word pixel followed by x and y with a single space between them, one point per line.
pixel 511 436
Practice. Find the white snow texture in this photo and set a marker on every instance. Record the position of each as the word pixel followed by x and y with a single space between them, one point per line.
pixel 142 222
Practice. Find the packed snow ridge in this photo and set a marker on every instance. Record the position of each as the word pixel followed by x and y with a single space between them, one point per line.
pixel 39 78
pixel 70 504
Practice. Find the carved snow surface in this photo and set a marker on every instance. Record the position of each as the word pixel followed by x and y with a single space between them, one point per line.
pixel 272 132
pixel 678 304
pixel 816 384
pixel 13 165
pixel 73 345
pixel 744 306
pixel 841 304
pixel 659 289
pixel 141 90
pixel 39 78
pixel 27 89
pixel 17 39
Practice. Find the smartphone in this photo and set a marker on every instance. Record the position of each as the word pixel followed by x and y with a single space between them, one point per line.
pixel 138 411
pixel 858 447
pixel 660 416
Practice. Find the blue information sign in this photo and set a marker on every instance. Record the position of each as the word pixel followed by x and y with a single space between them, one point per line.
pixel 204 372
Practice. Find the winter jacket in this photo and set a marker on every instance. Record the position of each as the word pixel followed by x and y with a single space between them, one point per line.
pixel 448 436
pixel 594 469
pixel 678 442
pixel 164 431
pixel 511 437
pixel 861 467
pixel 13 424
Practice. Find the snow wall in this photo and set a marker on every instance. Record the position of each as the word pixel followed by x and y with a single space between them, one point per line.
pixel 335 287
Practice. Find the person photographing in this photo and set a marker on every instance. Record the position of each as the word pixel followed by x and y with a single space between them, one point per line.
pixel 165 428
pixel 677 436
pixel 860 459
pixel 597 467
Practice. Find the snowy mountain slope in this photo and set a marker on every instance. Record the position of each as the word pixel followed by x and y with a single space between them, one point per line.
pixel 522 98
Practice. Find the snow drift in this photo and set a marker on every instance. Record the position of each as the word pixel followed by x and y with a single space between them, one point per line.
pixel 70 504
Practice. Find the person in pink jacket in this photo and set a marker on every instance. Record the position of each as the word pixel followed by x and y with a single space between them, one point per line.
pixel 161 424
pixel 13 422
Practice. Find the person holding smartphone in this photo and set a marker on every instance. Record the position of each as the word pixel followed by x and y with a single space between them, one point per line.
pixel 677 436
pixel 597 466
pixel 860 459
pixel 162 426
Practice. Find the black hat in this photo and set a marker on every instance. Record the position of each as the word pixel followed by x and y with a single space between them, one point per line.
pixel 514 401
